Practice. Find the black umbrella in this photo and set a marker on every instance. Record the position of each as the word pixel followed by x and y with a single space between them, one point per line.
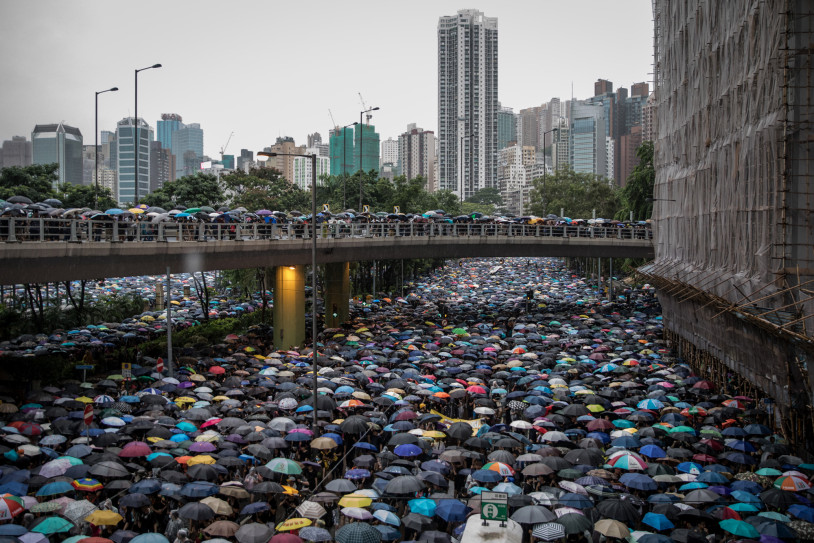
pixel 416 522
pixel 459 430
pixel 196 511
pixel 533 514
pixel 621 510
pixel 404 484
pixel 575 523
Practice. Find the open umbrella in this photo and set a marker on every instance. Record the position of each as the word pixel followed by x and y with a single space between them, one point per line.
pixel 357 532
pixel 612 528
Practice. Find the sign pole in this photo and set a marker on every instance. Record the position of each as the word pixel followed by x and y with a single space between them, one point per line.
pixel 169 325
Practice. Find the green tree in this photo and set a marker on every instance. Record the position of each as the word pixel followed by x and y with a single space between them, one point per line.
pixel 639 187
pixel 196 190
pixel 265 188
pixel 487 196
pixel 35 182
pixel 84 196
pixel 579 194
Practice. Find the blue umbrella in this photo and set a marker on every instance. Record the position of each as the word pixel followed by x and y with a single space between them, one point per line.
pixel 387 517
pixel 712 477
pixel 254 507
pixel 486 476
pixel 578 501
pixel 389 533
pixel 52 489
pixel 12 530
pixel 690 467
pixel 366 446
pixel 150 537
pixel 802 512
pixel 652 451
pixel 452 510
pixel 639 481
pixel 422 506
pixel 199 489
pixel 408 450
pixel 145 486
pixel 658 522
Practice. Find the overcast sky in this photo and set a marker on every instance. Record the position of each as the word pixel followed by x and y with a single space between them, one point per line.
pixel 264 69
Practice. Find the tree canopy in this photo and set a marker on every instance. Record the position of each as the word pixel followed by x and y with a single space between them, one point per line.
pixel 639 187
pixel 196 190
pixel 35 182
pixel 265 188
pixel 577 194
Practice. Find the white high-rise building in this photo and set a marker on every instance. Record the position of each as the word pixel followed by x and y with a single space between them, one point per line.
pixel 390 152
pixel 587 138
pixel 416 151
pixel 301 169
pixel 467 102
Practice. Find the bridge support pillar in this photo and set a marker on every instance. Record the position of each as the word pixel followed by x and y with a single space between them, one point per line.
pixel 337 293
pixel 289 307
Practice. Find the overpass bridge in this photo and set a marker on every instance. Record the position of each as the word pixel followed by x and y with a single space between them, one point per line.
pixel 48 250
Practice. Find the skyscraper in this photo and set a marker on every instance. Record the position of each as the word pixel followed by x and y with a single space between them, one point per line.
pixel 61 144
pixel 588 144
pixel 245 160
pixel 187 146
pixel 283 163
pixel 369 146
pixel 341 151
pixel 506 128
pixel 467 102
pixel 301 168
pixel 416 154
pixel 125 159
pixel 390 152
pixel 16 152
pixel 169 123
pixel 162 165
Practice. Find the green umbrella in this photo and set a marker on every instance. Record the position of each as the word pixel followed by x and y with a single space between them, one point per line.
pixel 574 523
pixel 284 465
pixel 739 528
pixel 459 331
pixel 52 525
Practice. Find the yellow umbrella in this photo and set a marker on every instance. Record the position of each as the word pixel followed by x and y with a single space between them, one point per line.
pixel 136 210
pixel 595 408
pixel 290 490
pixel 220 398
pixel 435 434
pixel 84 399
pixel 200 459
pixel 355 500
pixel 104 518
pixel 185 399
pixel 293 524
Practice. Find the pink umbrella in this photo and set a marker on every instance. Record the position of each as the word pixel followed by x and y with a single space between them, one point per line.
pixel 135 449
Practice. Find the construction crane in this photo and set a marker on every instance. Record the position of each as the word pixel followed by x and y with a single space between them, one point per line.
pixel 225 145
pixel 364 106
pixel 333 122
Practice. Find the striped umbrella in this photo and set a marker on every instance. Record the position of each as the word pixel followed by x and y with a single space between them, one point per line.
pixel 548 531
pixel 10 506
pixel 87 484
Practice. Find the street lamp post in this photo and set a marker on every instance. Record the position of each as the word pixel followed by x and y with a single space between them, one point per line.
pixel 345 162
pixel 313 158
pixel 96 145
pixel 136 140
pixel 545 172
pixel 361 155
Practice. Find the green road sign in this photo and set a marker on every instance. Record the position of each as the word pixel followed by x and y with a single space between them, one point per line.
pixel 494 506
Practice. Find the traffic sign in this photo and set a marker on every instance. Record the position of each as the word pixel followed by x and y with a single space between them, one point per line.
pixel 396 209
pixel 84 366
pixel 88 415
pixel 326 208
pixel 365 209
pixel 127 370
pixel 494 506
pixel 159 365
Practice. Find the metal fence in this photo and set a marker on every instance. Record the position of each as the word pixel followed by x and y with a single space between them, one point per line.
pixel 44 230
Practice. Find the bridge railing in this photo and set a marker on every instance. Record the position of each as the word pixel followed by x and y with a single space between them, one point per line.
pixel 41 230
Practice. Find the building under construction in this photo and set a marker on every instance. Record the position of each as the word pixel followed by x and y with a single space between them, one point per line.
pixel 734 197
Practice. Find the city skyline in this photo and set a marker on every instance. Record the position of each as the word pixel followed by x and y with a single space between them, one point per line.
pixel 221 78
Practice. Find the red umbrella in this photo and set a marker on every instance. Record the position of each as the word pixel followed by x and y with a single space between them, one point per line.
pixel 217 370
pixel 406 415
pixel 27 428
pixel 135 449
pixel 599 425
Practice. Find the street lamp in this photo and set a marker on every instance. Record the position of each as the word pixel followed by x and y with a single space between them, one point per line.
pixel 313 158
pixel 96 145
pixel 345 161
pixel 545 172
pixel 136 141
pixel 361 155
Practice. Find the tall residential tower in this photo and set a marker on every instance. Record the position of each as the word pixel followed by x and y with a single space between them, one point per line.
pixel 467 102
